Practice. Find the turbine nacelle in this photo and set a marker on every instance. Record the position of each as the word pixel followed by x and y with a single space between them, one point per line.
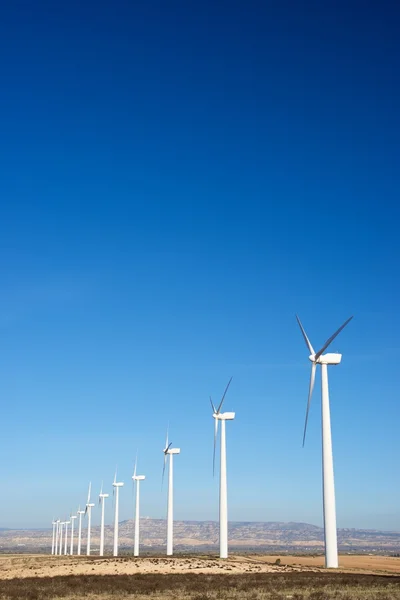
pixel 173 451
pixel 138 477
pixel 90 505
pixel 227 416
pixel 73 517
pixel 118 484
pixel 104 495
pixel 332 358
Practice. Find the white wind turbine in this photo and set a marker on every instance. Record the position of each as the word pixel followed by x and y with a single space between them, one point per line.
pixel 88 510
pixel 72 517
pixel 168 451
pixel 116 486
pixel 60 545
pixel 137 479
pixel 331 551
pixel 80 515
pixel 102 499
pixel 57 536
pixel 66 537
pixel 54 524
pixel 223 494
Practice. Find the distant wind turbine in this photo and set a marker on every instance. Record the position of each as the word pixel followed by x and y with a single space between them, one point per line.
pixel 60 548
pixel 80 515
pixel 57 536
pixel 116 486
pixel 223 494
pixel 72 518
pixel 88 511
pixel 102 499
pixel 137 479
pixel 66 537
pixel 54 524
pixel 168 451
pixel 331 551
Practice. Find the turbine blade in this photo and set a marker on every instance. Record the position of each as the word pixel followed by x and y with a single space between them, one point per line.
pixel 166 441
pixel 215 443
pixel 310 391
pixel 88 497
pixel 163 471
pixel 324 347
pixel 212 406
pixel 115 474
pixel 307 341
pixel 223 397
pixel 134 470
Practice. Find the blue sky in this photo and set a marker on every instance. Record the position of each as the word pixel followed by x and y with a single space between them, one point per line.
pixel 177 182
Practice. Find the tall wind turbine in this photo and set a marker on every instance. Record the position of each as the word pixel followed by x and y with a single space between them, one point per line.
pixel 66 537
pixel 137 479
pixel 80 515
pixel 168 451
pixel 88 511
pixel 223 494
pixel 60 545
pixel 72 518
pixel 102 499
pixel 54 524
pixel 319 358
pixel 57 536
pixel 116 486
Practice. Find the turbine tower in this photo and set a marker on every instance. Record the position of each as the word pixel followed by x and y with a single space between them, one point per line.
pixel 223 494
pixel 66 537
pixel 57 536
pixel 328 486
pixel 168 451
pixel 88 510
pixel 54 524
pixel 137 479
pixel 72 518
pixel 102 499
pixel 60 545
pixel 80 515
pixel 116 486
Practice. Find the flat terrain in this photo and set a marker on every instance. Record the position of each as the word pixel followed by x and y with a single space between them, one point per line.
pixel 39 565
pixel 252 577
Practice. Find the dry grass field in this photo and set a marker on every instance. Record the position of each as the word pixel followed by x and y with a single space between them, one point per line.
pixel 256 577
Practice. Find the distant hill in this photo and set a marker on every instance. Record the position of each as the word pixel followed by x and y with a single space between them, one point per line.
pixel 203 536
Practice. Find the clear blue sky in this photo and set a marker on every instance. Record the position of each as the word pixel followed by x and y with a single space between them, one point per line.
pixel 177 181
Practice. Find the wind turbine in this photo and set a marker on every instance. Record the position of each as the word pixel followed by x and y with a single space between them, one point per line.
pixel 54 524
pixel 88 510
pixel 66 537
pixel 116 486
pixel 60 545
pixel 102 499
pixel 57 536
pixel 319 358
pixel 168 451
pixel 223 494
pixel 80 514
pixel 72 517
pixel 137 479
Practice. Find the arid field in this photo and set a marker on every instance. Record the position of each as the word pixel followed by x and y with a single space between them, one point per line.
pixel 255 577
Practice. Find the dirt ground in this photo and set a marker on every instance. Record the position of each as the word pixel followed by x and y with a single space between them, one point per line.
pixel 21 566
